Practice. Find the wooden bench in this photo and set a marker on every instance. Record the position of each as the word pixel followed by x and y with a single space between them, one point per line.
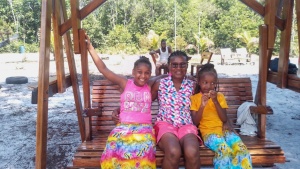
pixel 106 96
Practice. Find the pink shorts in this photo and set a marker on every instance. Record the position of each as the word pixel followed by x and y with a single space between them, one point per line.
pixel 162 127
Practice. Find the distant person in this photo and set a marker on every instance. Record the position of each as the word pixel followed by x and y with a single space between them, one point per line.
pixel 209 113
pixel 164 52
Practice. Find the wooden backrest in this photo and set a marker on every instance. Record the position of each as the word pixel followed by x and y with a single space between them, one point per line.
pixel 207 56
pixel 107 95
pixel 242 52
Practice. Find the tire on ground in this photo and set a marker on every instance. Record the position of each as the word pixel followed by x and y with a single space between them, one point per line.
pixel 16 80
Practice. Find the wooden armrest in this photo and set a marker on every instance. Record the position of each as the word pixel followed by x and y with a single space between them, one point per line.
pixel 261 109
pixel 88 112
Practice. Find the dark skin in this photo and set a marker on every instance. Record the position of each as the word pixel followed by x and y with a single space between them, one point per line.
pixel 207 84
pixel 164 48
pixel 169 143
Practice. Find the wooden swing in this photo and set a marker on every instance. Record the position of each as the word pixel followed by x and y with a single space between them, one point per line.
pixel 266 152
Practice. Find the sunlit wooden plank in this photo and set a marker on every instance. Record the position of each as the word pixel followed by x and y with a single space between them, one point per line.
pixel 58 48
pixel 73 72
pixel 285 44
pixel 75 24
pixel 85 70
pixel 43 84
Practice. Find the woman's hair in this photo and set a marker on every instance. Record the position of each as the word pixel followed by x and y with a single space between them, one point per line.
pixel 144 60
pixel 206 68
pixel 178 53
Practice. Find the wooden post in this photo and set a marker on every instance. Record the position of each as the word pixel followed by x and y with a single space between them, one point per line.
pixel 75 18
pixel 260 97
pixel 270 11
pixel 43 84
pixel 73 72
pixel 58 48
pixel 278 13
pixel 285 44
pixel 85 70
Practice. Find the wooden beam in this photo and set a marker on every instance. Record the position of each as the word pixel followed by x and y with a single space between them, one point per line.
pixel 53 88
pixel 85 70
pixel 58 48
pixel 89 8
pixel 84 12
pixel 73 73
pixel 260 97
pixel 285 44
pixel 43 84
pixel 269 19
pixel 270 51
pixel 75 17
pixel 260 9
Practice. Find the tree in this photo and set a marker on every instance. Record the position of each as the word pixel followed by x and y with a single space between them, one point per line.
pixel 250 42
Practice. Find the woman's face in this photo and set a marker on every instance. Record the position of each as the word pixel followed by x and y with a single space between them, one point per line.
pixel 178 67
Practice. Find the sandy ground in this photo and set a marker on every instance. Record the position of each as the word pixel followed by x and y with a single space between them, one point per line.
pixel 18 115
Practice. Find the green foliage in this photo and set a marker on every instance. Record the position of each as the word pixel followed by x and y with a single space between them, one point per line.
pixel 119 36
pixel 14 47
pixel 124 26
pixel 180 43
pixel 250 42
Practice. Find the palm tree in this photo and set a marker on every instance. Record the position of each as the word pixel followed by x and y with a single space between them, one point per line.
pixel 204 43
pixel 250 42
pixel 153 39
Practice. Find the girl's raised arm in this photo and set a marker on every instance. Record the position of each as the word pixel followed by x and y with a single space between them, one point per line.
pixel 111 76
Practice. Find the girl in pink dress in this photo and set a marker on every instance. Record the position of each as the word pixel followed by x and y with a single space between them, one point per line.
pixel 131 144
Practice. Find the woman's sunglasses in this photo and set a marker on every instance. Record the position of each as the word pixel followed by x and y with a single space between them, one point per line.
pixel 180 65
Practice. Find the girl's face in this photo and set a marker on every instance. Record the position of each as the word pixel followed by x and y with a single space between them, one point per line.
pixel 141 74
pixel 207 82
pixel 178 66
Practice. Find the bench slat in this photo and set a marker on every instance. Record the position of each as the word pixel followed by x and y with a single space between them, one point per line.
pixel 106 95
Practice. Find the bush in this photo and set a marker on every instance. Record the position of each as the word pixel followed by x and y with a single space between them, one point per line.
pixel 14 47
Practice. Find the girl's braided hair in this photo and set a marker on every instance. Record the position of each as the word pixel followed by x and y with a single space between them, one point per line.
pixel 206 68
pixel 142 59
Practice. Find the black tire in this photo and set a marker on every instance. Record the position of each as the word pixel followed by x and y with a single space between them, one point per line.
pixel 16 80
